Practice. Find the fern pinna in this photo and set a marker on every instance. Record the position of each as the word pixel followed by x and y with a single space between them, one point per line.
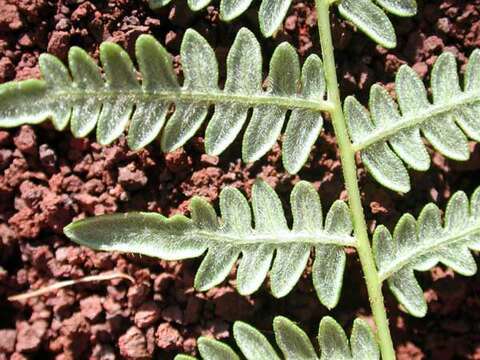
pixel 368 15
pixel 388 138
pixel 415 245
pixel 421 244
pixel 454 115
pixel 232 235
pixel 293 343
pixel 83 98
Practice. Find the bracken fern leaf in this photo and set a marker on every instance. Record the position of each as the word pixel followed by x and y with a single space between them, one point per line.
pixel 372 19
pixel 271 245
pixel 420 245
pixel 365 14
pixel 454 115
pixel 118 101
pixel 294 343
pixel 271 12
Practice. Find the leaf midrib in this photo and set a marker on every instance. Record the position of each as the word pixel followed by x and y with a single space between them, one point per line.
pixel 275 239
pixel 416 118
pixel 418 252
pixel 207 97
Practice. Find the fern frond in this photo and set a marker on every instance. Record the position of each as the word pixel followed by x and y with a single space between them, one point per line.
pixel 270 15
pixel 420 245
pixel 119 101
pixel 372 19
pixel 225 239
pixel 294 343
pixel 365 14
pixel 445 123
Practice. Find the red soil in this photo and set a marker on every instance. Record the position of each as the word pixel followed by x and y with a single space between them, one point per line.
pixel 47 179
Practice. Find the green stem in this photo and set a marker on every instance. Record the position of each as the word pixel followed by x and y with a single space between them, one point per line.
pixel 347 155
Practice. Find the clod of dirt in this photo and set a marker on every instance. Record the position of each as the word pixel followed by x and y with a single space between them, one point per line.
pixel 91 307
pixel 75 333
pixel 9 17
pixel 26 140
pixel 59 44
pixel 147 315
pixel 178 161
pixel 29 336
pixel 7 340
pixel 7 69
pixel 133 344
pixel 48 178
pixel 167 337
pixel 131 178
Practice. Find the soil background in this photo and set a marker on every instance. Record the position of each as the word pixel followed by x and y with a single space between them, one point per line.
pixel 48 179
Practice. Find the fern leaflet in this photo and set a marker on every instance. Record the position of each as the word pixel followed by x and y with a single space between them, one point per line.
pixel 454 115
pixel 180 238
pixel 372 20
pixel 120 101
pixel 294 343
pixel 420 245
pixel 365 14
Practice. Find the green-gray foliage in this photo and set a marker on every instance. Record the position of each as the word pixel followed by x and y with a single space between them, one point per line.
pixel 372 19
pixel 454 115
pixel 118 101
pixel 270 15
pixel 293 343
pixel 421 244
pixel 368 15
pixel 264 244
pixel 269 246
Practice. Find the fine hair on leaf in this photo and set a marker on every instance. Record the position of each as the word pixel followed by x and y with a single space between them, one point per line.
pixel 368 15
pixel 293 343
pixel 150 101
pixel 418 245
pixel 387 138
pixel 82 97
pixel 268 247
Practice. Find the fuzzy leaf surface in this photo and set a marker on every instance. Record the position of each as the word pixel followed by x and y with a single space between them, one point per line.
pixel 389 137
pixel 368 15
pixel 421 244
pixel 269 246
pixel 294 343
pixel 158 104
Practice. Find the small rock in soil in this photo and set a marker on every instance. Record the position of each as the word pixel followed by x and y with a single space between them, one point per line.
pixel 7 340
pixel 26 140
pixel 147 314
pixel 58 44
pixel 29 336
pixel 103 352
pixel 133 344
pixel 91 307
pixel 137 294
pixel 4 138
pixel 178 161
pixel 47 156
pixel 9 17
pixel 5 158
pixel 7 69
pixel 163 281
pixel 131 178
pixel 167 337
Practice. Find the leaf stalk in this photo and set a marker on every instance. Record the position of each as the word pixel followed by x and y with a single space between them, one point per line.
pixel 347 155
pixel 205 97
